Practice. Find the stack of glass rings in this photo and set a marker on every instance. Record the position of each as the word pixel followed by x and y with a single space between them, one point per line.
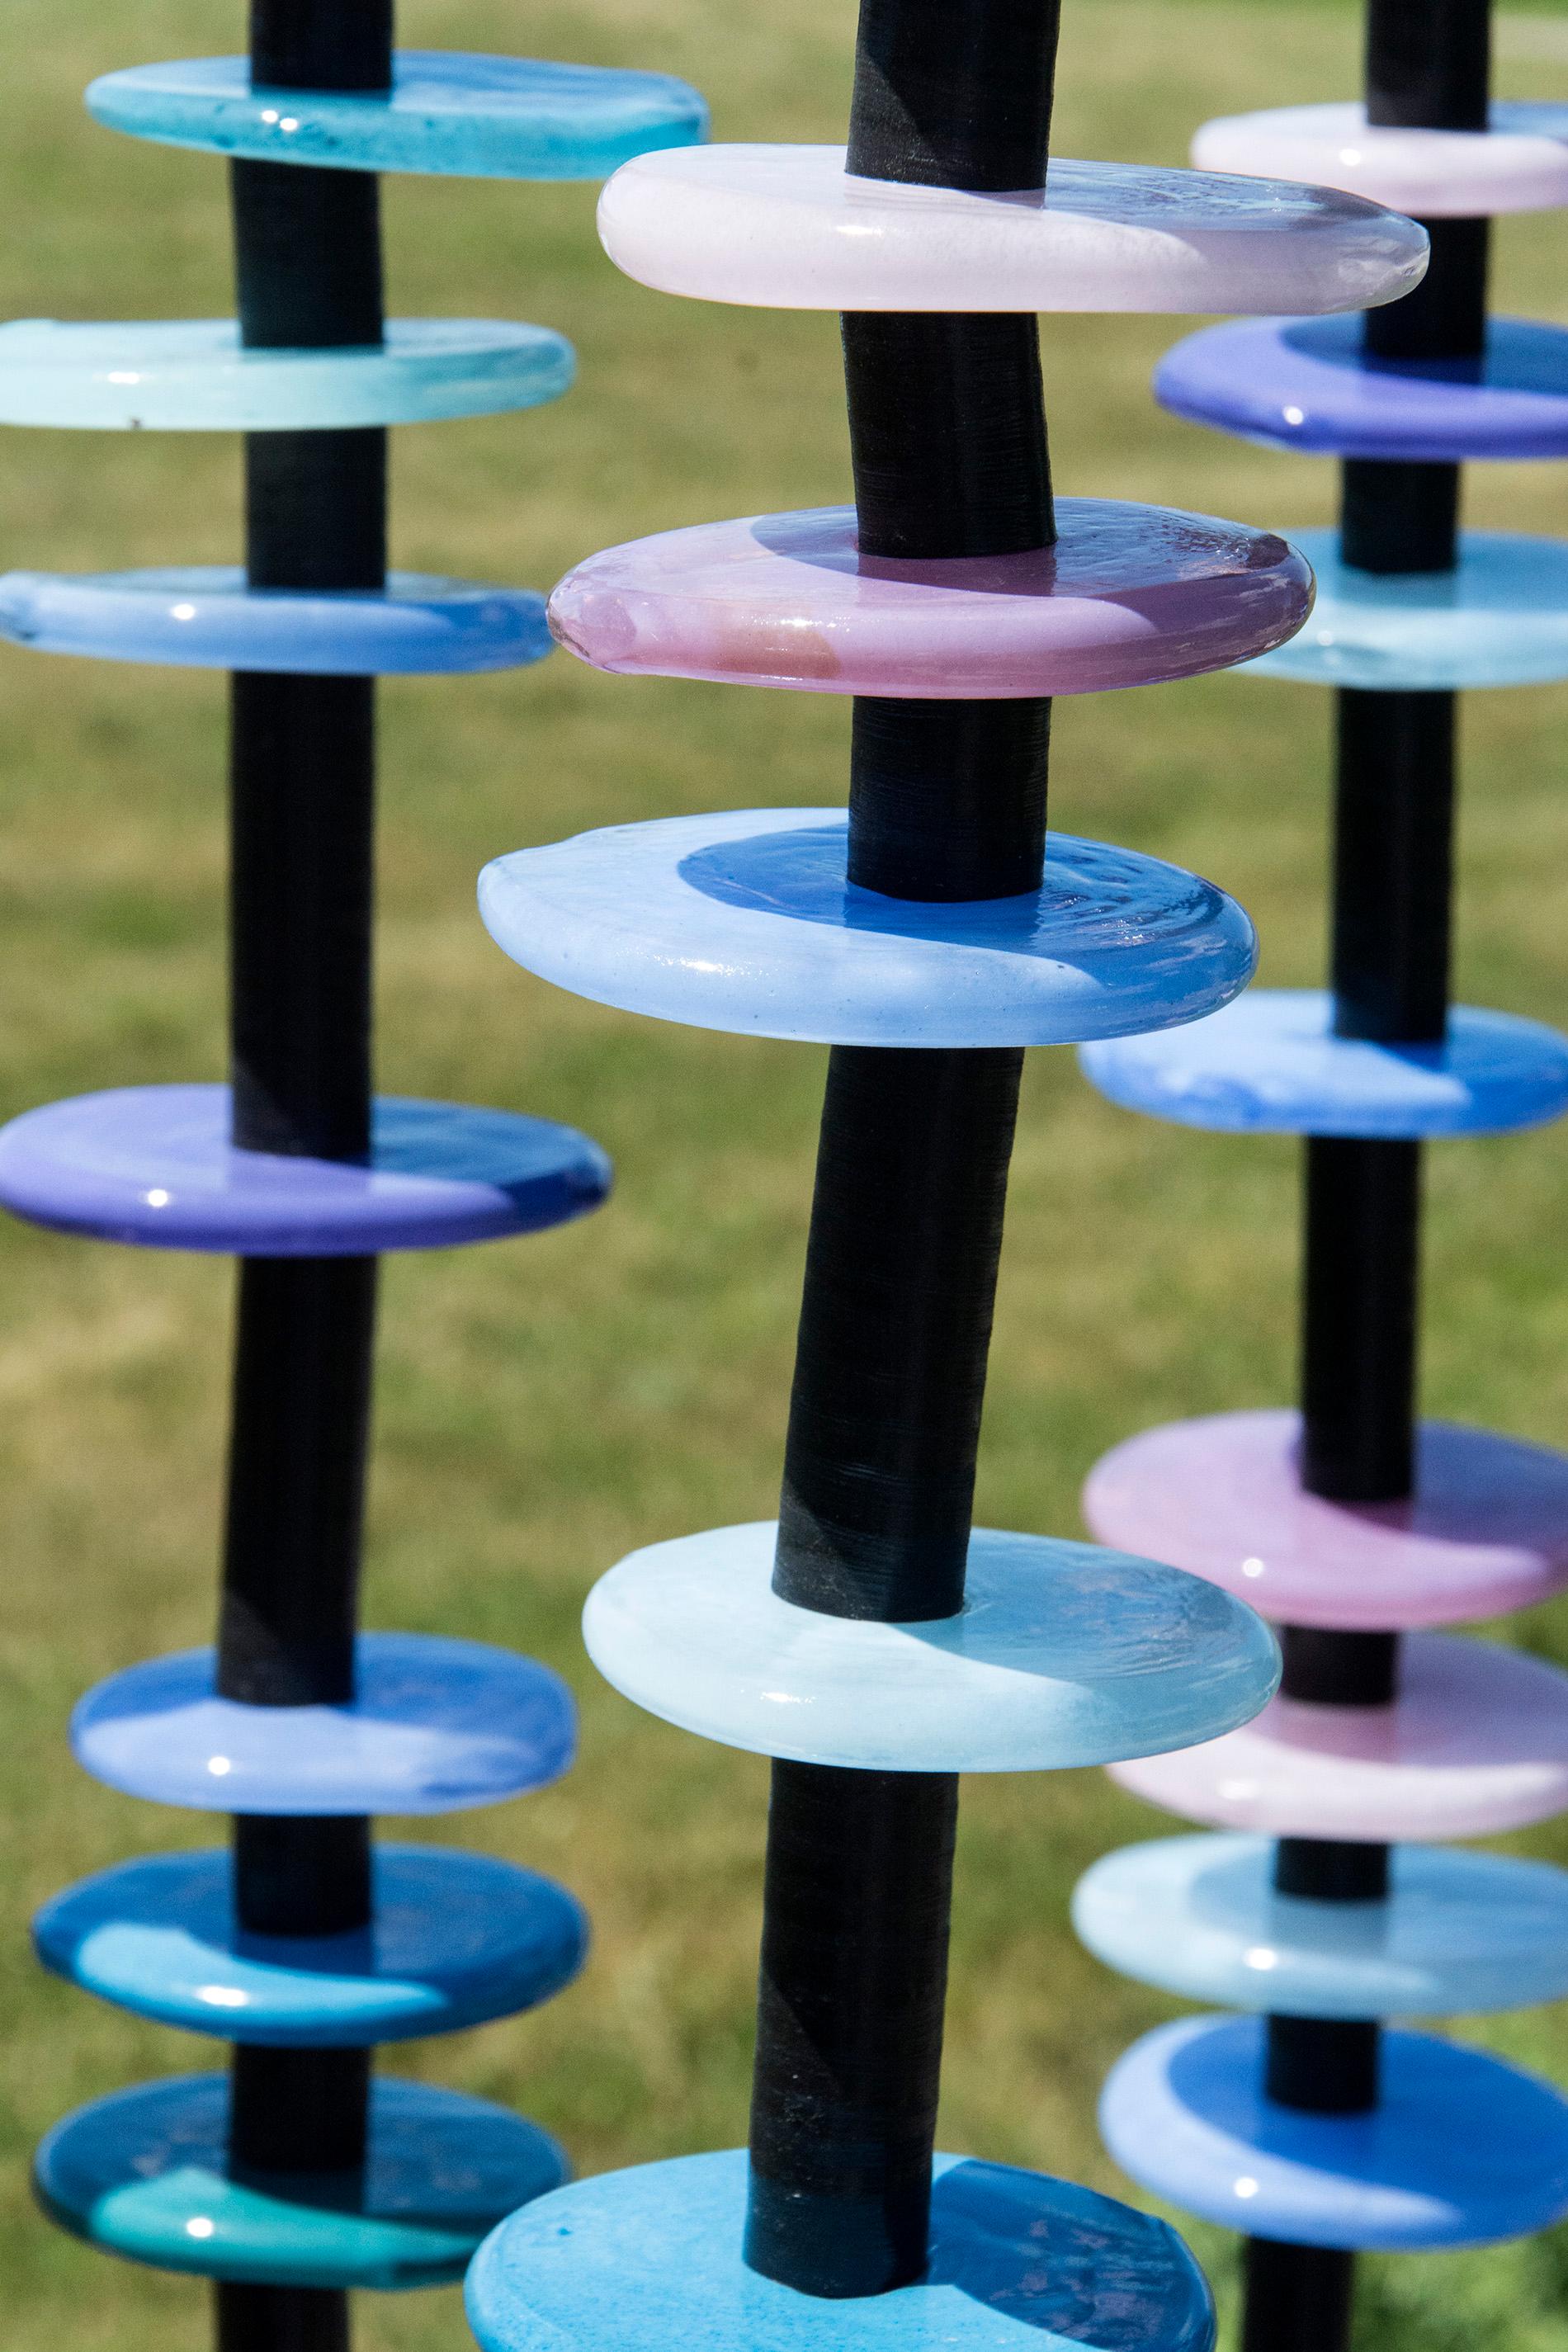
pixel 301 2176
pixel 1327 1902
pixel 872 1642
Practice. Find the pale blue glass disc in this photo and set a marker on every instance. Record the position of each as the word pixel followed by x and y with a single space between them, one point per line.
pixel 208 618
pixel 486 118
pixel 1499 618
pixel 456 1940
pixel 1063 1654
pixel 745 922
pixel 1460 2149
pixel 1459 1933
pixel 141 2174
pixel 437 1725
pixel 650 2259
pixel 1270 1064
pixel 191 375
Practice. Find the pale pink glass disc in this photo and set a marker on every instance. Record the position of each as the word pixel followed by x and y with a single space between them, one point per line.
pixel 1477 1742
pixel 1129 595
pixel 1486 1532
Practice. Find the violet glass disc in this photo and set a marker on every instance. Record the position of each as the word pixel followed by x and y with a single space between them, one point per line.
pixel 435 1726
pixel 1486 1531
pixel 153 1166
pixel 205 617
pixel 1307 384
pixel 744 922
pixel 1475 1743
pixel 787 229
pixel 1129 595
pixel 1269 1063
pixel 1460 2149
pixel 649 2259
pixel 1519 165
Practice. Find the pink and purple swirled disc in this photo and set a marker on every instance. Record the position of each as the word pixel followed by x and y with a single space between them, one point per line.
pixel 1129 595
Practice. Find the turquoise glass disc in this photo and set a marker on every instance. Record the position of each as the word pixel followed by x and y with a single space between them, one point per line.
pixel 141 2174
pixel 485 117
pixel 1499 618
pixel 457 1939
pixel 191 375
pixel 648 2259
pixel 1459 1934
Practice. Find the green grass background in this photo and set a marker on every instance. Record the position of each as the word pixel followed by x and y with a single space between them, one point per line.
pixel 546 1405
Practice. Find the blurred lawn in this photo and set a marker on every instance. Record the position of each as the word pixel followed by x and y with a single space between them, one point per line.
pixel 546 1405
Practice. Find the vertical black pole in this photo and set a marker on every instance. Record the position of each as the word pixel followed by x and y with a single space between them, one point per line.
pixel 947 801
pixel 308 255
pixel 1427 67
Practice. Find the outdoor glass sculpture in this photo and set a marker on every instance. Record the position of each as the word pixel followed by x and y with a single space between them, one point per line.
pixel 1353 1526
pixel 300 2176
pixel 872 1644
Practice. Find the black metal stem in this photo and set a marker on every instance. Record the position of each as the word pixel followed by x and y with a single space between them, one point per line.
pixel 1427 65
pixel 947 801
pixel 309 274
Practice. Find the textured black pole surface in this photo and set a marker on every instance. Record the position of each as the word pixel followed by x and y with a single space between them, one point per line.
pixel 947 801
pixel 1428 66
pixel 308 267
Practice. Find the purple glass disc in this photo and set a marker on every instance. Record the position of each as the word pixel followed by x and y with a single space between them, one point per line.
pixel 1486 1531
pixel 153 1166
pixel 1129 595
pixel 1306 385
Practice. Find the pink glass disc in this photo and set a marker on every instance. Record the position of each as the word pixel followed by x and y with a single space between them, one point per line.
pixel 1477 1742
pixel 1129 595
pixel 1486 1531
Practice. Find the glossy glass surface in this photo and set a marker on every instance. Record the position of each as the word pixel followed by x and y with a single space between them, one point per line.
pixel 744 922
pixel 1519 165
pixel 641 2260
pixel 141 2174
pixel 787 229
pixel 438 1725
pixel 487 118
pixel 209 619
pixel 153 1166
pixel 457 1939
pixel 1461 1932
pixel 1459 2151
pixel 1129 595
pixel 191 375
pixel 1063 1654
pixel 1475 1743
pixel 1485 1532
pixel 1270 1064
pixel 1499 618
pixel 1306 385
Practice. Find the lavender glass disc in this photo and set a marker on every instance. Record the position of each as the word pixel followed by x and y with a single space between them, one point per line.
pixel 1486 1531
pixel 1129 595
pixel 1307 384
pixel 1475 1743
pixel 153 1166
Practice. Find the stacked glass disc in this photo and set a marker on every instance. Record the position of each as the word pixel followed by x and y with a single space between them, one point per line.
pixel 1329 1902
pixel 300 2176
pixel 871 1642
